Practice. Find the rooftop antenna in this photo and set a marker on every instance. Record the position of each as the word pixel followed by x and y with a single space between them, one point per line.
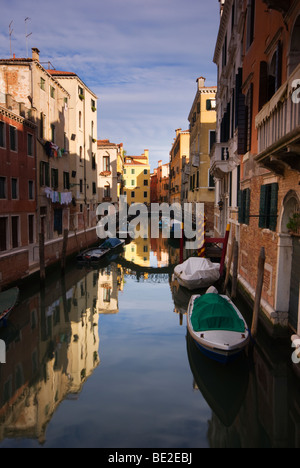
pixel 27 35
pixel 10 34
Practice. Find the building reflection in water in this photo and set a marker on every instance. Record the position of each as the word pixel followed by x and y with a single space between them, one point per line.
pixel 52 344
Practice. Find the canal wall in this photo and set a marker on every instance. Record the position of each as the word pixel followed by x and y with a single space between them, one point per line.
pixel 17 265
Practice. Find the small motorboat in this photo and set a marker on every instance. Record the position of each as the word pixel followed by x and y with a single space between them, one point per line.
pixel 8 300
pixel 217 326
pixel 98 253
pixel 197 273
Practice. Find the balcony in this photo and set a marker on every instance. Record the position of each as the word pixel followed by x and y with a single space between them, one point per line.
pixel 278 129
pixel 221 162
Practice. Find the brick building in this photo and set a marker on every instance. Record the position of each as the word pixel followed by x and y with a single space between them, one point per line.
pixel 267 148
pixel 17 189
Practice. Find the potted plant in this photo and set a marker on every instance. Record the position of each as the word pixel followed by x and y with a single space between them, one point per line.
pixel 81 96
pixel 294 224
pixel 94 109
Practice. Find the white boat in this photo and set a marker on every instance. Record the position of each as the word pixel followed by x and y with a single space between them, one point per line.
pixel 217 326
pixel 197 272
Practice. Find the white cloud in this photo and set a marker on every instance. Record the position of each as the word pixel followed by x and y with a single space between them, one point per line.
pixel 140 57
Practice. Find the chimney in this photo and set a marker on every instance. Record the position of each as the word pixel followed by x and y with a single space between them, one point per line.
pixel 35 54
pixel 146 153
pixel 178 130
pixel 201 82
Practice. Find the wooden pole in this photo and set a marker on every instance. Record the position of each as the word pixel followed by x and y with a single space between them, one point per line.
pixel 64 251
pixel 229 265
pixel 235 269
pixel 225 243
pixel 259 286
pixel 181 243
pixel 42 257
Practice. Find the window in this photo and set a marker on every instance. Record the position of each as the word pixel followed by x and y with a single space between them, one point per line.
pixel 107 191
pixel 3 234
pixel 31 190
pixel 250 22
pixel 2 188
pixel 80 154
pixel 93 105
pixel 145 183
pixel 132 194
pixel 15 231
pixel 80 119
pixel 212 139
pixel 145 194
pixel 268 206
pixel 54 178
pixel 81 186
pixel 211 180
pixel 13 138
pixel 132 171
pixel 124 171
pixel 2 134
pixel 42 84
pixel 52 133
pixel 52 92
pixel 106 163
pixel 244 206
pixel 58 221
pixel 14 189
pixel 44 174
pixel 42 125
pixel 29 144
pixel 94 188
pixel 31 229
pixel 132 183
pixel 66 180
pixel 93 161
pixel 145 171
pixel 211 104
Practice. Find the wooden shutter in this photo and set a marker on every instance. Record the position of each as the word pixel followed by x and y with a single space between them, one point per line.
pixel 249 117
pixel 247 194
pixel 240 111
pixel 263 208
pixel 278 75
pixel 240 206
pixel 273 207
pixel 263 84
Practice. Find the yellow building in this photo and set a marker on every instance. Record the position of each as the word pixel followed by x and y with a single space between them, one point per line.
pixel 202 120
pixel 138 252
pixel 136 175
pixel 180 151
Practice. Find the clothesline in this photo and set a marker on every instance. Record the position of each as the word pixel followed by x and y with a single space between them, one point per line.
pixel 63 198
pixel 53 150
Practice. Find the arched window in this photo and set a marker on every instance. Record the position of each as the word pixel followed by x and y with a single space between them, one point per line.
pixel 294 55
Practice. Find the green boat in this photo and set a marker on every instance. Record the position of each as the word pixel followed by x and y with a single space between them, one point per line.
pixel 8 300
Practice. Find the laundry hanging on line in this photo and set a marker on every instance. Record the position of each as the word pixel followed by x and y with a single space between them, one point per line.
pixel 63 198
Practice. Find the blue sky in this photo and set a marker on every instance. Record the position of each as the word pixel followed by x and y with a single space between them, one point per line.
pixel 141 58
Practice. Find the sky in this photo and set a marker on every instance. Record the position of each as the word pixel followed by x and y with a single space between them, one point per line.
pixel 141 58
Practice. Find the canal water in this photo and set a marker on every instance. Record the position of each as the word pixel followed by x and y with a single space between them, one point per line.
pixel 102 358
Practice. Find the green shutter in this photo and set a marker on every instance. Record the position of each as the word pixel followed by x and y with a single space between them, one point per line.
pixel 47 174
pixel 240 206
pixel 247 194
pixel 273 207
pixel 262 209
pixel 41 174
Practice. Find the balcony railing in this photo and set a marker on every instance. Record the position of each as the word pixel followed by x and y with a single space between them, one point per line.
pixel 221 163
pixel 278 128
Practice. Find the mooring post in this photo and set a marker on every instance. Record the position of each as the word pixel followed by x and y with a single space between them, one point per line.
pixel 235 269
pixel 258 292
pixel 225 243
pixel 64 251
pixel 229 265
pixel 42 257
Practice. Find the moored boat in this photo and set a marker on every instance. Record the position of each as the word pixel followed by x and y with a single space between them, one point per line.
pixel 8 300
pixel 217 326
pixel 98 253
pixel 197 273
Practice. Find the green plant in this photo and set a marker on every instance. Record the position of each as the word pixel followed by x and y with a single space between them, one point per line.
pixel 81 96
pixel 294 222
pixel 94 109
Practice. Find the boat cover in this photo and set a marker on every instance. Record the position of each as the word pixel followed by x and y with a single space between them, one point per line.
pixel 7 300
pixel 214 312
pixel 197 272
pixel 111 243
